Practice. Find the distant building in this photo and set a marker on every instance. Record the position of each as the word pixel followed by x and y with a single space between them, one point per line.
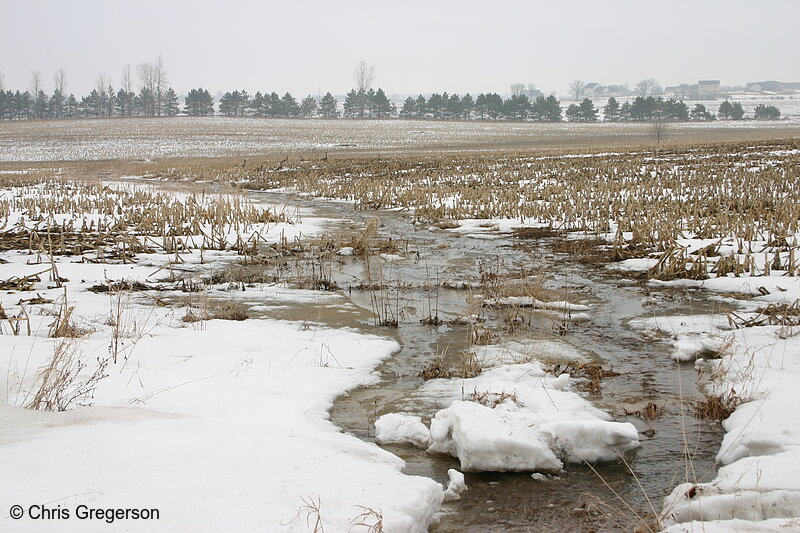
pixel 707 89
pixel 593 89
pixel 532 93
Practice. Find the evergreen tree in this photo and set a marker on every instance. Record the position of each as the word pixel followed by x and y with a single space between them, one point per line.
pixel 170 103
pixel 700 114
pixel 518 107
pixel 352 104
pixel 611 111
pixel 422 107
pixel 494 106
pixel 737 111
pixel 467 105
pixel 572 113
pixel 199 103
pixel 725 111
pixel 290 107
pixel 454 107
pixel 586 111
pixel 275 107
pixel 435 105
pixel 481 106
pixel 381 106
pixel 409 109
pixel 328 107
pixel 308 107
pixel 766 112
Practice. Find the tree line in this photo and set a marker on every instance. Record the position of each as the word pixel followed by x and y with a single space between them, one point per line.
pixel 155 97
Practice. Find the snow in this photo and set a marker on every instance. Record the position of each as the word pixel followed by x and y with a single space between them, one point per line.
pixel 757 488
pixel 456 486
pixel 399 428
pixel 219 424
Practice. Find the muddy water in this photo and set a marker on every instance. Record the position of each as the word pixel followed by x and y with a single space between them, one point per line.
pixel 605 497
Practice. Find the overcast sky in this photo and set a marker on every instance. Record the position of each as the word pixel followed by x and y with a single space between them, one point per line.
pixel 415 46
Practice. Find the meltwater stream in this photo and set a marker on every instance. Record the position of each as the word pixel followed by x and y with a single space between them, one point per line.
pixel 611 496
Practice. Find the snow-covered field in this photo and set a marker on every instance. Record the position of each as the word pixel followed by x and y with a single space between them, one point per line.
pixel 216 424
pixel 139 138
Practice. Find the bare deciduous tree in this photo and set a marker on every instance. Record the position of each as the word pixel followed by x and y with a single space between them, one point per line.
pixel 60 81
pixel 648 87
pixel 160 75
pixel 36 83
pixel 577 88
pixel 126 83
pixel 2 79
pixel 517 89
pixel 363 76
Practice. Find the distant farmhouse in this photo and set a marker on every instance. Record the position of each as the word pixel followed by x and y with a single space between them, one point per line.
pixel 594 90
pixel 702 90
pixel 707 89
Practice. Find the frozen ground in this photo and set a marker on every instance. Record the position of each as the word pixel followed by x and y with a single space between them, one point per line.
pixel 143 139
pixel 218 424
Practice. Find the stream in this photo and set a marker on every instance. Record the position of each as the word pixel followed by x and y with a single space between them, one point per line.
pixel 611 496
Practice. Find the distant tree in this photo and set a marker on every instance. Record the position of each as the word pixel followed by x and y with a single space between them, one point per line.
pixel 422 107
pixel 71 106
pixel 352 104
pixel 577 88
pixel 41 105
pixel 730 111
pixel 546 109
pixel 274 106
pixel 234 104
pixel 329 106
pixel 453 107
pixel 467 105
pixel 494 106
pixel 517 89
pixel 648 87
pixel 290 106
pixel 611 111
pixel 481 106
pixel 572 113
pixel 363 76
pixel 170 103
pixel 699 113
pixel 435 105
pixel 766 112
pixel 586 111
pixel 409 109
pixel 518 107
pixel 59 93
pixel 308 107
pixel 737 111
pixel 381 106
pixel 198 103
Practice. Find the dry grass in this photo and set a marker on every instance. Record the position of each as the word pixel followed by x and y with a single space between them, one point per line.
pixel 717 406
pixel 62 382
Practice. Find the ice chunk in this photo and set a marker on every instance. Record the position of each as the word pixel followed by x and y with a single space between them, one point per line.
pixel 400 428
pixel 456 486
pixel 485 439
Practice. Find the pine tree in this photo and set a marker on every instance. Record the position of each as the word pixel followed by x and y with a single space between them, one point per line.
pixel 328 107
pixel 766 112
pixel 421 107
pixel 308 107
pixel 573 113
pixel 700 114
pixel 170 103
pixel 381 106
pixel 352 104
pixel 199 103
pixel 586 111
pixel 409 109
pixel 467 105
pixel 611 111
pixel 290 107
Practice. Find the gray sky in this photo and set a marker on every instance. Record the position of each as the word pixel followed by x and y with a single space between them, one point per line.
pixel 416 46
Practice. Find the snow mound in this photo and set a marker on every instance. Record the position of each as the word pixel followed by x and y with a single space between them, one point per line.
pixel 401 428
